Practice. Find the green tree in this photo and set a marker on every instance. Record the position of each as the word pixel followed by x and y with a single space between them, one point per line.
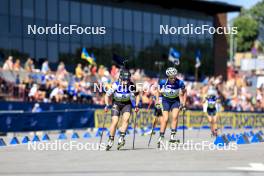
pixel 248 29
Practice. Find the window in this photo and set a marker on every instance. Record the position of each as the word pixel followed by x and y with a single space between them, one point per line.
pixel 15 7
pixel 147 22
pixel 75 12
pixel 16 26
pixel 52 9
pixel 40 22
pixel 16 43
pixel 50 36
pixel 86 13
pixel 137 20
pixel 108 36
pixel 138 41
pixel 4 25
pixel 3 42
pixel 166 37
pixel 128 20
pixel 97 15
pixel 128 38
pixel 3 6
pixel 117 21
pixel 53 51
pixel 29 47
pixel 184 37
pixel 26 22
pixel 175 22
pixel 28 8
pixel 147 40
pixel 41 49
pixel 40 7
pixel 156 23
pixel 118 36
pixel 64 11
pixel 87 40
pixel 74 47
pixel 107 16
pixel 64 47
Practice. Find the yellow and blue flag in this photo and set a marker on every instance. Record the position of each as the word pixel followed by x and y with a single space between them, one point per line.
pixel 85 55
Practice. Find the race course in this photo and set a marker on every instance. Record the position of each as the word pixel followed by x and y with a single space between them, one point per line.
pixel 247 159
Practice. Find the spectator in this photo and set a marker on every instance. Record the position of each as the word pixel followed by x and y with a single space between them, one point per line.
pixel 61 72
pixel 101 71
pixel 45 67
pixel 8 65
pixel 17 66
pixel 33 93
pixel 114 71
pixel 79 72
pixel 57 94
pixel 29 65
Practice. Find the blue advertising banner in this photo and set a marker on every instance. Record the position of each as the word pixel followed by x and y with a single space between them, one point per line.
pixel 53 120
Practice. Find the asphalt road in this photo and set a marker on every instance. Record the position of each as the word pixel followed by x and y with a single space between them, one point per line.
pixel 245 159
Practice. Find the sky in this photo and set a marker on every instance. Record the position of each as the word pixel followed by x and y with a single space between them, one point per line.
pixel 244 3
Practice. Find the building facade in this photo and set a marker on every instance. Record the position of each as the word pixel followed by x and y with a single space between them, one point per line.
pixel 132 30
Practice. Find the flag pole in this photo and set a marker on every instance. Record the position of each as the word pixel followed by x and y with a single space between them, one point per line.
pixel 196 73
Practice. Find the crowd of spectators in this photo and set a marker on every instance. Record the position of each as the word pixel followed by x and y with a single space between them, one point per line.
pixel 46 85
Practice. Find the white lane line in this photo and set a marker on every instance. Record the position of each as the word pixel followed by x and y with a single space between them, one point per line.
pixel 258 167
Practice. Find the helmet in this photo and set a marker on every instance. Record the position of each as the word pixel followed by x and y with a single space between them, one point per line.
pixel 211 92
pixel 124 75
pixel 171 71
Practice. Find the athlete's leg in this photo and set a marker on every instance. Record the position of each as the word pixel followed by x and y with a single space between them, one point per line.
pixel 125 121
pixel 210 121
pixel 113 125
pixel 214 125
pixel 123 128
pixel 163 121
pixel 164 117
pixel 115 118
pixel 175 114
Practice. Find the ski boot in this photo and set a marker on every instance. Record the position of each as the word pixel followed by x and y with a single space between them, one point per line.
pixel 161 140
pixel 121 141
pixel 172 137
pixel 110 143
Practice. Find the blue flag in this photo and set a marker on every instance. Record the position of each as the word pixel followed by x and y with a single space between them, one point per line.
pixel 174 56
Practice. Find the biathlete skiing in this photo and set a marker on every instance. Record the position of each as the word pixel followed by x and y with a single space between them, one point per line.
pixel 124 96
pixel 210 107
pixel 174 97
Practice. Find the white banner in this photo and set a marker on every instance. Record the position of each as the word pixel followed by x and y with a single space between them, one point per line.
pixel 252 64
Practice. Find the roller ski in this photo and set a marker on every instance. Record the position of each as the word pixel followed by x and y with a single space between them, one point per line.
pixel 120 144
pixel 160 141
pixel 110 143
pixel 121 141
pixel 173 139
